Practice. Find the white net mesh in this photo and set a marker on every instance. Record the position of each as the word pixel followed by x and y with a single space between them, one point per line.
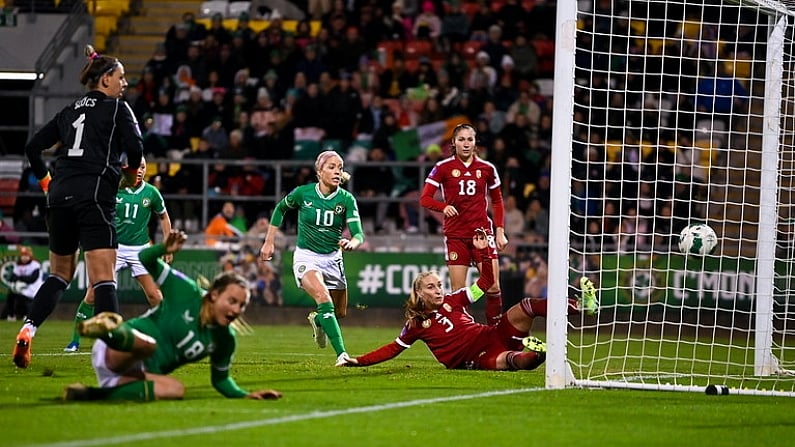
pixel 683 113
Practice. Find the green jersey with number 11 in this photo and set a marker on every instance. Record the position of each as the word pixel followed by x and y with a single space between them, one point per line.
pixel 134 208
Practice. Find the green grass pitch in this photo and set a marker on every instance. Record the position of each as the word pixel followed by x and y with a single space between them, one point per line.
pixel 411 399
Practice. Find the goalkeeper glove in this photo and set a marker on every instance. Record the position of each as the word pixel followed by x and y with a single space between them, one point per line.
pixel 44 183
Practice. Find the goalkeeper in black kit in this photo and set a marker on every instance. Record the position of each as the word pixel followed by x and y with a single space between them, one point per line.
pixel 91 136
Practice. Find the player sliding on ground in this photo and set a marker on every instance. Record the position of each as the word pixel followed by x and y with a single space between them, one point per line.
pixel 454 338
pixel 132 358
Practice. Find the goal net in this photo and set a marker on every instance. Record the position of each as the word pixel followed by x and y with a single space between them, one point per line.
pixel 675 112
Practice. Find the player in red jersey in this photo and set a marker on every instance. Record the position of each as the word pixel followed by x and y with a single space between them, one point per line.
pixel 454 338
pixel 466 183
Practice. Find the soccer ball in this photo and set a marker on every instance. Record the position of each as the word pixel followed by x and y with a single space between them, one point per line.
pixel 698 239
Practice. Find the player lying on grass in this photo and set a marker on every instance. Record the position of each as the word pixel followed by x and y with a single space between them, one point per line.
pixel 134 207
pixel 132 359
pixel 454 338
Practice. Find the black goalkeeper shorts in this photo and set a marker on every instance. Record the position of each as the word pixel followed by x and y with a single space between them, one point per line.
pixel 85 224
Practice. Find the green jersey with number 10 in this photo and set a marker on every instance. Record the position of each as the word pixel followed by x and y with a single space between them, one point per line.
pixel 321 219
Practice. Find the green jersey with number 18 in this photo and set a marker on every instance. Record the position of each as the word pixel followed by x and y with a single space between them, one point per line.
pixel 176 325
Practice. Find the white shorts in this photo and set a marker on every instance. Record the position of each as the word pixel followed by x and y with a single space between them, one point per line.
pixel 330 266
pixel 127 257
pixel 106 378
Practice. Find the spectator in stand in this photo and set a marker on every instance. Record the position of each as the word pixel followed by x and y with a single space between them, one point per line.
pixel 303 33
pixel 383 135
pixel 342 106
pixel 25 277
pixel 148 87
pixel 410 209
pixel 198 66
pixel 163 114
pixel 428 25
pixel 524 57
pixel 373 113
pixel 155 145
pixel 262 113
pixel 228 63
pixel 180 131
pixel 512 18
pixel 374 184
pixel 524 105
pixel 517 134
pixel 352 48
pixel 483 19
pixel 514 218
pixel 467 182
pixel 236 149
pixel 29 209
pixel 482 74
pixel 159 64
pixel 308 110
pixel 396 80
pixel 220 232
pixel 432 112
pixel 276 90
pixel 217 29
pixel 311 65
pixel 426 75
pixel 494 117
pixel 398 24
pixel 177 43
pixel 216 135
pixel 494 46
pixel 454 27
pixel 537 220
pixel 456 68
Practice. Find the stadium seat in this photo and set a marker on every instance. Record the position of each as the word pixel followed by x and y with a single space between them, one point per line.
pixel 386 50
pixel 545 51
pixel 416 49
pixel 210 7
pixel 235 8
pixel 109 7
pixel 306 149
pixel 106 25
pixel 470 49
pixel 8 187
pixel 613 150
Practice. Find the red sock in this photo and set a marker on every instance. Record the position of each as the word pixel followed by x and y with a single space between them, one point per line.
pixel 524 360
pixel 493 307
pixel 537 307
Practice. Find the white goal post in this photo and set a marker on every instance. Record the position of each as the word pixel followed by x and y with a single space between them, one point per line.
pixel 666 114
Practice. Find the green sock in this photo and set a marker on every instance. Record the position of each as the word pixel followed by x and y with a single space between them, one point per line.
pixel 328 321
pixel 139 391
pixel 120 339
pixel 84 312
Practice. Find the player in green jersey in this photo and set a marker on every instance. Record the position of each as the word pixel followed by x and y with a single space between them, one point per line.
pixel 132 359
pixel 324 210
pixel 134 208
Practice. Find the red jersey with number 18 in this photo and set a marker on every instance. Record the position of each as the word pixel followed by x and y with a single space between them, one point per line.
pixel 466 187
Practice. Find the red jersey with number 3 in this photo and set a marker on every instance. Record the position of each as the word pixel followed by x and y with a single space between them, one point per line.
pixel 451 333
pixel 467 189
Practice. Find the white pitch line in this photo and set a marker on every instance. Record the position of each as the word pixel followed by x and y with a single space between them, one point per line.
pixel 276 421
